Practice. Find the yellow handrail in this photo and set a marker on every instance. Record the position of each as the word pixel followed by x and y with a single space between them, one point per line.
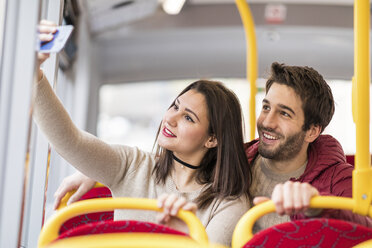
pixel 243 230
pixel 365 244
pixel 362 174
pixel 52 226
pixel 251 60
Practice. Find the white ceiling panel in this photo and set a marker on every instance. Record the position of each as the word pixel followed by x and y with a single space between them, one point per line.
pixel 325 2
pixel 105 15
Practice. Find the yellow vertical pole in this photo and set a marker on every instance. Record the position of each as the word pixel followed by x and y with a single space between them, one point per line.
pixel 362 174
pixel 252 62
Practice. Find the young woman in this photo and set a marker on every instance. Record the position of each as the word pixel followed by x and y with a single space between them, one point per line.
pixel 199 163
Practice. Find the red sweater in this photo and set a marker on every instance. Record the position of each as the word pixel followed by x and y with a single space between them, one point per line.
pixel 326 170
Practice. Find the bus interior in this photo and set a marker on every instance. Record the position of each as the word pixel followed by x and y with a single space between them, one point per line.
pixel 126 60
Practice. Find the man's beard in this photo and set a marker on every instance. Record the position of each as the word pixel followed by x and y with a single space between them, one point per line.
pixel 285 151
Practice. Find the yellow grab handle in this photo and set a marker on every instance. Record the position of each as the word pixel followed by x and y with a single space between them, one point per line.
pixel 251 60
pixel 243 230
pixel 65 199
pixel 52 226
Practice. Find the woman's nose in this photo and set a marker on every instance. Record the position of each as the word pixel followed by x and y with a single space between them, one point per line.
pixel 171 118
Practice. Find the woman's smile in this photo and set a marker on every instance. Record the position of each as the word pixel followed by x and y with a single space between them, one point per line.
pixel 167 133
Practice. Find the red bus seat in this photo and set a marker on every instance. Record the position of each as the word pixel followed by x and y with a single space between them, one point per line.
pixel 102 222
pixel 111 233
pixel 311 233
pixel 121 226
pixel 99 192
pixel 350 159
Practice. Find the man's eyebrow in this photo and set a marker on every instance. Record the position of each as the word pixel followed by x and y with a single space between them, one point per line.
pixel 287 108
pixel 281 106
pixel 189 110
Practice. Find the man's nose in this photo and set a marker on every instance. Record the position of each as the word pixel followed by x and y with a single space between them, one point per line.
pixel 270 120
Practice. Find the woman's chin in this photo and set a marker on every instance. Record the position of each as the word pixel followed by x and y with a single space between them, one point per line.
pixel 162 144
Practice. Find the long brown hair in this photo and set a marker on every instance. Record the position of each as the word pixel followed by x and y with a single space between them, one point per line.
pixel 224 168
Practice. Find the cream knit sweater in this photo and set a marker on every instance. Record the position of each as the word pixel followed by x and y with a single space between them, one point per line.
pixel 125 170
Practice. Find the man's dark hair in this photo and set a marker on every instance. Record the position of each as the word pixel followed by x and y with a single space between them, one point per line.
pixel 316 95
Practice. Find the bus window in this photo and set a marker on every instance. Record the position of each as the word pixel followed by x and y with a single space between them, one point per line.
pixel 130 113
pixel 342 119
pixel 125 115
pixel 2 16
pixel 18 59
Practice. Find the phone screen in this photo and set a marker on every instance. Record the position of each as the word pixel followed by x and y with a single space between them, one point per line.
pixel 59 40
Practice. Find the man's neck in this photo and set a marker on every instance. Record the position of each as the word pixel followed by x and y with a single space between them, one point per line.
pixel 287 166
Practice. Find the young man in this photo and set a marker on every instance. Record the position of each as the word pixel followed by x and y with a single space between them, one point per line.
pixel 291 161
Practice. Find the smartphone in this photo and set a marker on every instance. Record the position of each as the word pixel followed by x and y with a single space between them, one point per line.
pixel 59 40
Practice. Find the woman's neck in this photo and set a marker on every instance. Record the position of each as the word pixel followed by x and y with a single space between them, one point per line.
pixel 184 178
pixel 183 163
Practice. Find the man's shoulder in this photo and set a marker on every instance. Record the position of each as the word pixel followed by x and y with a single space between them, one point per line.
pixel 326 139
pixel 251 149
pixel 327 147
pixel 251 144
pixel 327 156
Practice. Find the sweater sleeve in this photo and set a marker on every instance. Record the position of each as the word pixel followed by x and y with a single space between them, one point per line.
pixel 341 185
pixel 224 219
pixel 84 151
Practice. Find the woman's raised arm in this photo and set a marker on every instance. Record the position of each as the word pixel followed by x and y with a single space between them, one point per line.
pixel 87 153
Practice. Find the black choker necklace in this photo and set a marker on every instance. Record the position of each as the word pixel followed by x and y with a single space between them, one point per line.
pixel 184 163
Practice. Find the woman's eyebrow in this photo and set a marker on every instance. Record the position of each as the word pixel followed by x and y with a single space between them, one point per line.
pixel 189 110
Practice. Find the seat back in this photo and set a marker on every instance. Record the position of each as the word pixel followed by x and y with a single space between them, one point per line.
pixel 311 233
pixel 350 159
pixel 243 231
pixel 121 226
pixel 50 232
pixel 97 192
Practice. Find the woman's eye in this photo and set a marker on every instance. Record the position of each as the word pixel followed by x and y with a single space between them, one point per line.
pixel 189 118
pixel 175 107
pixel 265 107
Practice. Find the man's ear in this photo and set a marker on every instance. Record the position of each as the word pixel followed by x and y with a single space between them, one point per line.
pixel 312 133
pixel 211 142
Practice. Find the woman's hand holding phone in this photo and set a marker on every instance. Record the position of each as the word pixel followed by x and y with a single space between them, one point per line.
pixel 46 30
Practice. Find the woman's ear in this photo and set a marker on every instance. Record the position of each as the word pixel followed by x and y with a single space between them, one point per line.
pixel 211 142
pixel 312 133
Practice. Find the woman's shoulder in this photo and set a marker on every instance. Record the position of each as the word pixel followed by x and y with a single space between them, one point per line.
pixel 136 164
pixel 237 204
pixel 227 211
pixel 133 152
pixel 242 200
pixel 134 158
